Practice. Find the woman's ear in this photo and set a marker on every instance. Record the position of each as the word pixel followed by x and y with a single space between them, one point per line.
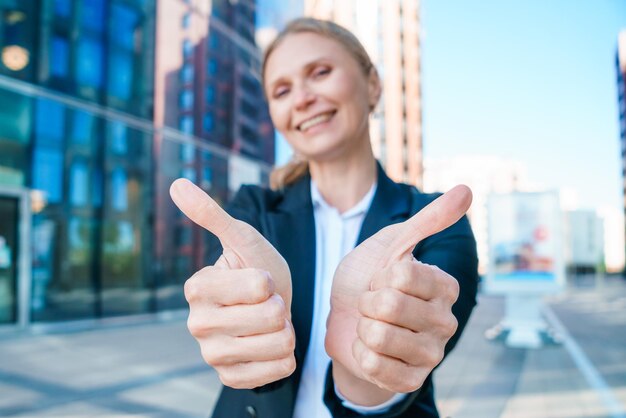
pixel 374 88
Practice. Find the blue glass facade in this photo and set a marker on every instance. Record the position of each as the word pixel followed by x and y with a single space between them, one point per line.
pixel 79 133
pixel 94 175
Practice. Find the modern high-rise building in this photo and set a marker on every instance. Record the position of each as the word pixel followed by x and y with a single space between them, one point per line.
pixel 75 186
pixel 102 104
pixel 620 62
pixel 390 31
pixel 207 87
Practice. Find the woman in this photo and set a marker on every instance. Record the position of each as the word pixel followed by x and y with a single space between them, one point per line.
pixel 368 324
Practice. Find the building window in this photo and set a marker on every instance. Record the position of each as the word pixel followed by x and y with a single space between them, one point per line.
pixel 186 20
pixel 79 182
pixel 119 138
pixel 62 8
pixel 210 95
pixel 48 173
pixel 186 125
pixel 120 74
pixel 187 48
pixel 212 67
pixel 50 125
pixel 187 152
pixel 89 62
pixel 119 190
pixel 208 122
pixel 186 100
pixel 59 57
pixel 93 15
pixel 186 73
pixel 82 127
pixel 189 173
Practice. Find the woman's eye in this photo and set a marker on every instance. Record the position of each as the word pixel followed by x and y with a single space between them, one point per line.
pixel 321 71
pixel 280 92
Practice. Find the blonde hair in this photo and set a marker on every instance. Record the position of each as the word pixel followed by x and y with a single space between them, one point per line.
pixel 287 174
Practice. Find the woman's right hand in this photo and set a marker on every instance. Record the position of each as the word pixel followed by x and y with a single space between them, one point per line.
pixel 240 307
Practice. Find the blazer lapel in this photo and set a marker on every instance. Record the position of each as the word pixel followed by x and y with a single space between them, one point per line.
pixel 391 204
pixel 292 232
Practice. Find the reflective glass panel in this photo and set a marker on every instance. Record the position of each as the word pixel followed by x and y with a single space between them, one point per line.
pixel 9 218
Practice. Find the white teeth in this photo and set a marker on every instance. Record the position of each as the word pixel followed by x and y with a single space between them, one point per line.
pixel 315 121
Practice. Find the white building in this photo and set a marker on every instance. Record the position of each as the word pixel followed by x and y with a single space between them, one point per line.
pixel 484 175
pixel 584 241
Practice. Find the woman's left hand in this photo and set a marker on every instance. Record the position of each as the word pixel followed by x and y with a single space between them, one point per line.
pixel 391 316
pixel 405 322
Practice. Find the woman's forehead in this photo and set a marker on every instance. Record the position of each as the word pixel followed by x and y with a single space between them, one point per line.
pixel 297 51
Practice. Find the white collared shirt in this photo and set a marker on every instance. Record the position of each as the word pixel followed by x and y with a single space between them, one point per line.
pixel 336 235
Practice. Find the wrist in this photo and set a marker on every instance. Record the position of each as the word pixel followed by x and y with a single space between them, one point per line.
pixel 356 390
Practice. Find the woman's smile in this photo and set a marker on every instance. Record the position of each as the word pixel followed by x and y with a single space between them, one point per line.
pixel 316 123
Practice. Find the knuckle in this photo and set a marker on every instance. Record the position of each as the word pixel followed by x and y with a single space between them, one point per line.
pixel 287 341
pixel 416 380
pixel 377 336
pixel 230 379
pixel 433 357
pixel 261 285
pixel 443 323
pixel 450 325
pixel 275 310
pixel 211 357
pixel 453 288
pixel 370 363
pixel 193 289
pixel 197 326
pixel 401 276
pixel 388 304
pixel 400 270
pixel 287 366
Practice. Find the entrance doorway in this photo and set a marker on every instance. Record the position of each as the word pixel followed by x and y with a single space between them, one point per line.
pixel 14 268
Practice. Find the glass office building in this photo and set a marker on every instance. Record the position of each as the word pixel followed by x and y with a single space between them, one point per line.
pixel 87 153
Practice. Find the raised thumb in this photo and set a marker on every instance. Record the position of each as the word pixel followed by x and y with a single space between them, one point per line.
pixel 203 210
pixel 438 215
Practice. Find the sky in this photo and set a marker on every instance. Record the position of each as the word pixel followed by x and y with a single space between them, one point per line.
pixel 533 81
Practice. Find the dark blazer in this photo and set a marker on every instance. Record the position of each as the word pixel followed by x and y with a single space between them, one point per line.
pixel 285 219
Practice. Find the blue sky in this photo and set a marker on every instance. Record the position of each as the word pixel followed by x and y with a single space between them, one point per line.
pixel 529 80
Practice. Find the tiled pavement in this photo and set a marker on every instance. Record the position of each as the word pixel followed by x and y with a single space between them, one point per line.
pixel 155 370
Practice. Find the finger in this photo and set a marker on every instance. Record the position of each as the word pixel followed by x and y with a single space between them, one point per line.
pixel 229 287
pixel 255 374
pixel 202 209
pixel 394 307
pixel 386 372
pixel 246 320
pixel 443 212
pixel 416 349
pixel 238 320
pixel 409 277
pixel 227 350
pixel 414 278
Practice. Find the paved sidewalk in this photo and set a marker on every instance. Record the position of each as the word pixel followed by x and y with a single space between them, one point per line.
pixel 155 369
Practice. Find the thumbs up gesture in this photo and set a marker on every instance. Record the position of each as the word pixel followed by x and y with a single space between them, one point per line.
pixel 391 315
pixel 239 308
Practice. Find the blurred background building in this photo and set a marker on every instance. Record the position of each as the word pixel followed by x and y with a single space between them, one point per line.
pixel 620 62
pixel 390 31
pixel 483 174
pixel 104 103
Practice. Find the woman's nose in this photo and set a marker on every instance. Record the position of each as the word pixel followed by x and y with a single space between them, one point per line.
pixel 303 97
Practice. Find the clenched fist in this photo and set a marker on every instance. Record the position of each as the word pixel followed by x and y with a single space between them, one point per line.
pixel 391 316
pixel 239 308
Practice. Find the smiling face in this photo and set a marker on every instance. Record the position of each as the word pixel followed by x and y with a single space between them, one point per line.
pixel 319 97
